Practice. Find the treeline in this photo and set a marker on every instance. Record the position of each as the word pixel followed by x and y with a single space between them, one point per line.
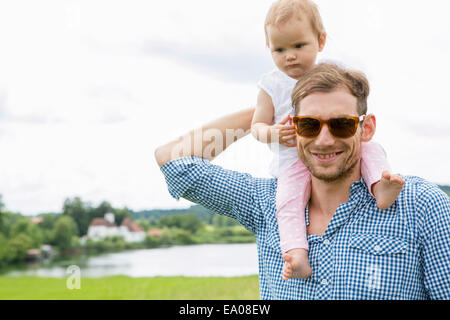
pixel 446 189
pixel 204 214
pixel 64 231
pixel 189 228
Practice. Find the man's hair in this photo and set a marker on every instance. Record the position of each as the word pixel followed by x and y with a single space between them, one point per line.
pixel 283 10
pixel 326 77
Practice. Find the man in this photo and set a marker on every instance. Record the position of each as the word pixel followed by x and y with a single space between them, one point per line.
pixel 356 250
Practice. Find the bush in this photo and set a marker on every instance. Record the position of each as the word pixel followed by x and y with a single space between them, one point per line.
pixel 17 248
pixel 183 237
pixel 152 242
pixel 109 244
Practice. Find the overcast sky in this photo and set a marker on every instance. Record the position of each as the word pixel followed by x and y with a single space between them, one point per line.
pixel 89 89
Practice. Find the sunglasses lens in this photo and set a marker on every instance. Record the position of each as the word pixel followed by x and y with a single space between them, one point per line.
pixel 343 127
pixel 308 127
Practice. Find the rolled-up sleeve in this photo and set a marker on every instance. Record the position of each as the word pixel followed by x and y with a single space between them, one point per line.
pixel 226 192
pixel 434 207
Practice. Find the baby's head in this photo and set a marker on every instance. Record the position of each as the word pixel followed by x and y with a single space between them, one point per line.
pixel 294 35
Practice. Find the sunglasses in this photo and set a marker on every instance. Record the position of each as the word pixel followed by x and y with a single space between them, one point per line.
pixel 343 127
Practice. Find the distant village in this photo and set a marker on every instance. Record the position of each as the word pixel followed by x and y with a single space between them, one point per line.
pixel 101 228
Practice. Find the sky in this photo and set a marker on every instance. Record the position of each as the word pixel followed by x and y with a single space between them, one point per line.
pixel 89 89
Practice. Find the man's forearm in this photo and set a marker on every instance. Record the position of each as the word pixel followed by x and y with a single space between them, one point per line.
pixel 208 141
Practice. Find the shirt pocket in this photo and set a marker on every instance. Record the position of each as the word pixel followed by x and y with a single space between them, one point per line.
pixel 377 266
pixel 378 245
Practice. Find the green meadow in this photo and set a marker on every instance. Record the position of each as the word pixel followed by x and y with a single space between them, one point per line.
pixel 126 288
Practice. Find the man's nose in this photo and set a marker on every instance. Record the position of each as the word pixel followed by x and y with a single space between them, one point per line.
pixel 325 138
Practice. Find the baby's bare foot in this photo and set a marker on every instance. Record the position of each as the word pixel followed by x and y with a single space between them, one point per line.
pixel 387 189
pixel 296 264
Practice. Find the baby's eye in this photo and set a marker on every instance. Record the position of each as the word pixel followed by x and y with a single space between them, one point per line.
pixel 298 46
pixel 279 50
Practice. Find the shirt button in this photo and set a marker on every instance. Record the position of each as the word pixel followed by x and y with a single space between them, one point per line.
pixel 326 242
pixel 324 282
pixel 377 248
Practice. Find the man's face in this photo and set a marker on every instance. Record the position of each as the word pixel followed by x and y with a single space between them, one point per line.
pixel 329 158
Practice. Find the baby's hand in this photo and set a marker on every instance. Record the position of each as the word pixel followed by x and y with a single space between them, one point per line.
pixel 284 133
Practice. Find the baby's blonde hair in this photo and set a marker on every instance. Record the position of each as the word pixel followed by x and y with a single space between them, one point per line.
pixel 283 10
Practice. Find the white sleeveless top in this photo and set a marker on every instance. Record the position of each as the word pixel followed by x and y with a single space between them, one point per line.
pixel 279 87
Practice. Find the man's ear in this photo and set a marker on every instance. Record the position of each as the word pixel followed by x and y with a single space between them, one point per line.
pixel 369 127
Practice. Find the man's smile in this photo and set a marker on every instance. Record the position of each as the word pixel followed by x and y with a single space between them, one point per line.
pixel 326 157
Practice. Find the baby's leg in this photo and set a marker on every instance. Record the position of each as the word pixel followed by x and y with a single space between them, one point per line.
pixel 384 186
pixel 293 192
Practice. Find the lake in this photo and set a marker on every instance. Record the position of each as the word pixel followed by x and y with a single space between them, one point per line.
pixel 223 260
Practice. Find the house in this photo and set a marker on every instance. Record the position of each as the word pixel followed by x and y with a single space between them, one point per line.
pixel 131 231
pixel 101 228
pixel 36 220
pixel 33 254
pixel 155 232
pixel 45 252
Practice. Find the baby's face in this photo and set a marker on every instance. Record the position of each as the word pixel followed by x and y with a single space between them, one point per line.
pixel 294 46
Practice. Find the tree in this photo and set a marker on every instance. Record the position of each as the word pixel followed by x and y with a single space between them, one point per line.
pixel 189 222
pixel 121 214
pixel 17 248
pixel 77 210
pixel 47 227
pixel 9 219
pixel 101 210
pixel 3 249
pixel 24 225
pixel 1 213
pixel 48 220
pixel 65 229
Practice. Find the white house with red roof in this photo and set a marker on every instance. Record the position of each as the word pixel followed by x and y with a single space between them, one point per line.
pixel 101 228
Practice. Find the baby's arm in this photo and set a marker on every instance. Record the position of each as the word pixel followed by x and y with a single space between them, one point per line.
pixel 384 186
pixel 262 128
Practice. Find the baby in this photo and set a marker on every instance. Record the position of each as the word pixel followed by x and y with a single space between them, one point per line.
pixel 295 35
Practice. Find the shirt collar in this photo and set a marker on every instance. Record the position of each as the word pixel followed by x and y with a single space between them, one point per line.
pixel 357 190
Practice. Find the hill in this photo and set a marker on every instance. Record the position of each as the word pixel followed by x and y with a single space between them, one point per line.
pixel 202 212
pixel 446 189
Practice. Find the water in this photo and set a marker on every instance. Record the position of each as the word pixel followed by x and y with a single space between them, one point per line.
pixel 227 260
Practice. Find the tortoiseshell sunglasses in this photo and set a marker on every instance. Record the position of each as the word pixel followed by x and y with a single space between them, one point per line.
pixel 342 127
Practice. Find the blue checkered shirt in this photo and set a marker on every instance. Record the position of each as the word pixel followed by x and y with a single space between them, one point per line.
pixel 365 253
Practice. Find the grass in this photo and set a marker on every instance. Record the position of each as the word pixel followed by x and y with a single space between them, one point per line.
pixel 126 288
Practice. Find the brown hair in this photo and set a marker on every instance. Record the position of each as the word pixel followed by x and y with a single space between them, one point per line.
pixel 282 10
pixel 325 77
